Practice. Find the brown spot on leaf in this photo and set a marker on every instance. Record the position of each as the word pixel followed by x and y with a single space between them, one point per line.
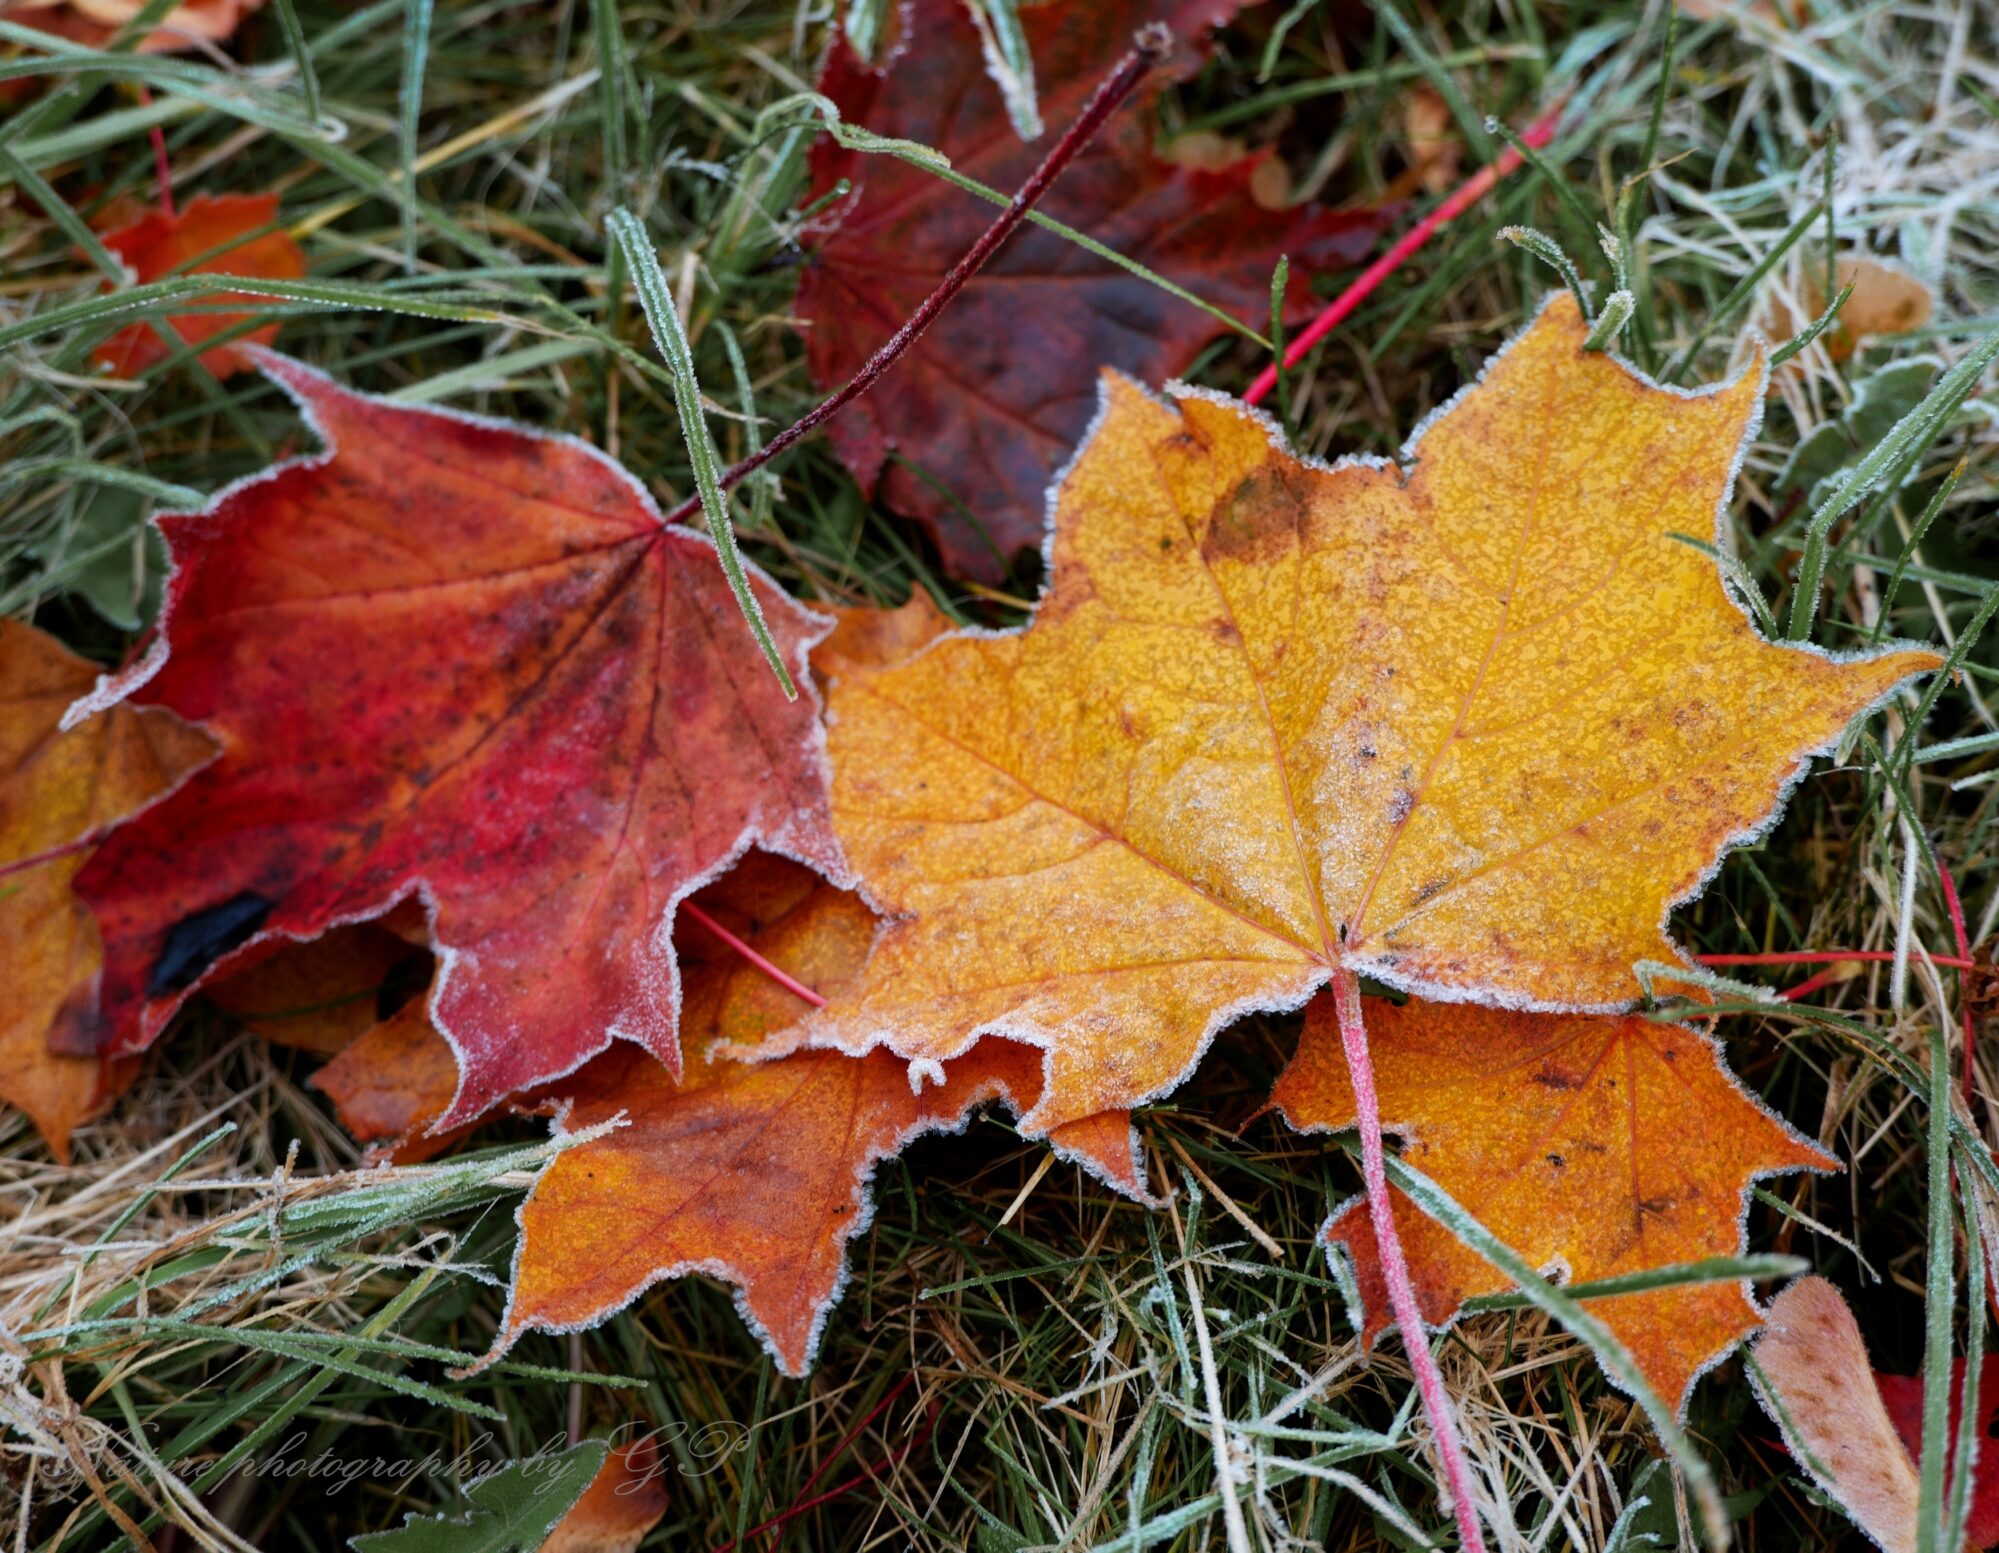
pixel 1259 520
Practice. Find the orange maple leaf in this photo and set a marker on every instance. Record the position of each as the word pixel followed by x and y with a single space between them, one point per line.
pixel 323 995
pixel 1596 1145
pixel 391 1082
pixel 624 1501
pixel 1470 728
pixel 753 1172
pixel 57 791
pixel 218 226
pixel 94 23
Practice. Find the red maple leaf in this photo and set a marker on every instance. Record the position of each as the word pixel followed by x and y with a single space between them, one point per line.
pixel 454 659
pixel 1902 1395
pixel 162 243
pixel 989 402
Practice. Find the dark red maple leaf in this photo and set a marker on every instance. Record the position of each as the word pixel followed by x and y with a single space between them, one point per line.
pixel 454 659
pixel 991 400
pixel 1903 1397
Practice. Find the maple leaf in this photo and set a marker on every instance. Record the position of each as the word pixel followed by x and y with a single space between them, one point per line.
pixel 319 996
pixel 1812 1376
pixel 390 1083
pixel 754 1172
pixel 161 243
pixel 1599 1145
pixel 1470 730
pixel 1902 1396
pixel 986 404
pixel 454 659
pixel 57 791
pixel 624 1501
pixel 94 23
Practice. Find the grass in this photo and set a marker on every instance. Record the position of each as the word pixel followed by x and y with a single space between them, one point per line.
pixel 1022 1360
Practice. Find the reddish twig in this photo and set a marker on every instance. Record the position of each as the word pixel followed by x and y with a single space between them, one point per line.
pixel 1812 983
pixel 1957 932
pixel 162 170
pixel 854 1434
pixel 1823 957
pixel 866 1475
pixel 35 860
pixel 1395 1267
pixel 1149 48
pixel 1474 188
pixel 782 977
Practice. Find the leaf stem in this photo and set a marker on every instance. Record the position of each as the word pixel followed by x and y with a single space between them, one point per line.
pixel 1149 48
pixel 1395 1266
pixel 775 972
pixel 1826 957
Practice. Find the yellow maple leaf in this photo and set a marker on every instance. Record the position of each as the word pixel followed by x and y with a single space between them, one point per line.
pixel 1469 727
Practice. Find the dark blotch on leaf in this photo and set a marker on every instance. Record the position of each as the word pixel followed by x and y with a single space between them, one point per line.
pixel 196 942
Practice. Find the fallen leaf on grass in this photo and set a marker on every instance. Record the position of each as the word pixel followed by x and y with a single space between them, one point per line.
pixel 94 23
pixel 514 1509
pixel 392 1082
pixel 454 659
pixel 755 1173
pixel 1596 1145
pixel 1470 730
pixel 875 638
pixel 323 995
pixel 58 789
pixel 624 1501
pixel 1902 1395
pixel 1430 141
pixel 1814 1362
pixel 967 431
pixel 1885 300
pixel 158 245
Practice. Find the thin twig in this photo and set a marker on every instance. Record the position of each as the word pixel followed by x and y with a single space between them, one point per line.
pixel 1474 188
pixel 782 977
pixel 1149 48
pixel 1824 957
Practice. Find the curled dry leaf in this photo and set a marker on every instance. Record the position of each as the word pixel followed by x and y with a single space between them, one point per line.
pixel 159 244
pixel 1429 140
pixel 755 1173
pixel 94 23
pixel 59 790
pixel 323 995
pixel 967 431
pixel 392 1082
pixel 624 1501
pixel 1885 300
pixel 454 660
pixel 1816 1383
pixel 1470 730
pixel 1590 1144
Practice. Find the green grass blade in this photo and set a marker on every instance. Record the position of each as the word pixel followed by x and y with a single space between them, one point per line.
pixel 416 49
pixel 1918 428
pixel 1561 1306
pixel 671 339
pixel 1939 1296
